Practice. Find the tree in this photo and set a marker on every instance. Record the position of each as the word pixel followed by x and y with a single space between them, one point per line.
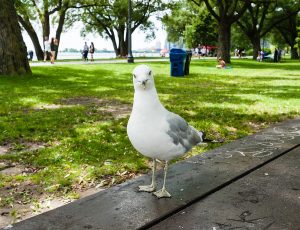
pixel 261 16
pixel 226 12
pixel 206 29
pixel 298 40
pixel 239 39
pixel 13 53
pixel 37 11
pixel 192 23
pixel 180 18
pixel 288 30
pixel 109 20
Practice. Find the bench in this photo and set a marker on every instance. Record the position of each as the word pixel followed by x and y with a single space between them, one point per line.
pixel 207 190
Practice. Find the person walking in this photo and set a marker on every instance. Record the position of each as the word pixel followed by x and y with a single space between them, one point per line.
pixel 92 51
pixel 54 48
pixel 85 52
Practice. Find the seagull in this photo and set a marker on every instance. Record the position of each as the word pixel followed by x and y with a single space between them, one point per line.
pixel 156 132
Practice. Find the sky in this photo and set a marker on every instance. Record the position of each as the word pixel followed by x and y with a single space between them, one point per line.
pixel 72 38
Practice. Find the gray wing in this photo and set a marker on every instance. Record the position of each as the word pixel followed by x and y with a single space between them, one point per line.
pixel 181 132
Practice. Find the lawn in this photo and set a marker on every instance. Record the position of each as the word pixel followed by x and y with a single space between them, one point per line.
pixel 63 129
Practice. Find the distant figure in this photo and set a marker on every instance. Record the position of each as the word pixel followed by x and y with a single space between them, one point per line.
pixel 92 51
pixel 279 55
pixel 30 54
pixel 85 52
pixel 258 56
pixel 47 48
pixel 276 55
pixel 262 55
pixel 199 51
pixel 241 52
pixel 222 64
pixel 236 52
pixel 54 48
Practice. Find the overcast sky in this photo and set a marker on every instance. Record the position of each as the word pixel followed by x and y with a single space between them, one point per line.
pixel 72 39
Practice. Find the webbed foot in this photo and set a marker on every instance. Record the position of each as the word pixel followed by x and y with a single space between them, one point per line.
pixel 147 188
pixel 162 193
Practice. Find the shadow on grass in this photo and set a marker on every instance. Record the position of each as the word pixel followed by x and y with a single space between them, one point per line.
pixel 291 65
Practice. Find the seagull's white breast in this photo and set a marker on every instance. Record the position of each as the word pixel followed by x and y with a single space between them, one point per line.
pixel 147 129
pixel 150 137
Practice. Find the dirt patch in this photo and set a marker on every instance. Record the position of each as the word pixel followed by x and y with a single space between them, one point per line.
pixel 21 201
pixel 256 126
pixel 4 149
pixel 12 170
pixel 85 101
pixel 25 200
pixel 50 106
pixel 115 108
pixel 120 111
pixel 20 146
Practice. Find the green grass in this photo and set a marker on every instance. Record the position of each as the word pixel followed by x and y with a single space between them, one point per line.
pixel 85 145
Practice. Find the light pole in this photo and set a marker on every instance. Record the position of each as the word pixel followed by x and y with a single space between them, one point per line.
pixel 129 56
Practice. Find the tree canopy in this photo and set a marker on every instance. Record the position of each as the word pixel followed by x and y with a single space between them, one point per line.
pixel 192 23
pixel 44 12
pixel 109 19
pixel 263 15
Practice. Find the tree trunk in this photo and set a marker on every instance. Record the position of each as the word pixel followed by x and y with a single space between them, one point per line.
pixel 60 28
pixel 46 25
pixel 294 53
pixel 34 38
pixel 224 40
pixel 122 44
pixel 256 46
pixel 13 52
pixel 113 40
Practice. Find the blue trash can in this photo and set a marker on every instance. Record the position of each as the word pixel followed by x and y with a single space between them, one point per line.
pixel 177 59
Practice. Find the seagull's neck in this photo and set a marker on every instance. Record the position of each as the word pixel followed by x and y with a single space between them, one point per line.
pixel 146 101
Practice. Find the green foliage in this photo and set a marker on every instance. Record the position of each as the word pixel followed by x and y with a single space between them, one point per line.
pixel 192 23
pixel 239 39
pixel 189 36
pixel 206 32
pixel 298 40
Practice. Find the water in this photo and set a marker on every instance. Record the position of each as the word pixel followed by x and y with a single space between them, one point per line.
pixel 78 55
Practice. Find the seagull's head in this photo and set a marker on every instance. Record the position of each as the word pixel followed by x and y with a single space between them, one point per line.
pixel 142 78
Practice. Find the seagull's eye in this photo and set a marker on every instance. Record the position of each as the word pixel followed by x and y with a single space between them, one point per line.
pixel 134 75
pixel 150 72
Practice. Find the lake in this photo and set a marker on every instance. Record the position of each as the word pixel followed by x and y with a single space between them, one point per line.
pixel 78 55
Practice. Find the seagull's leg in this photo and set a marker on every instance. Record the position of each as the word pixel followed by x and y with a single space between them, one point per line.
pixel 163 192
pixel 152 186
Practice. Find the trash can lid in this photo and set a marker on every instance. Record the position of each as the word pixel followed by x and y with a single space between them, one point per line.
pixel 177 50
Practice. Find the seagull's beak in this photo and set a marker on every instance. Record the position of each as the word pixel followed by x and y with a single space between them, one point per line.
pixel 144 83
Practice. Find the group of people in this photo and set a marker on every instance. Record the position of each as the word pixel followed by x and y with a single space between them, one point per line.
pixel 88 49
pixel 240 52
pixel 50 48
pixel 260 56
pixel 276 57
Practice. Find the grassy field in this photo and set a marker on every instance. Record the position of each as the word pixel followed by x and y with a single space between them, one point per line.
pixel 63 129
